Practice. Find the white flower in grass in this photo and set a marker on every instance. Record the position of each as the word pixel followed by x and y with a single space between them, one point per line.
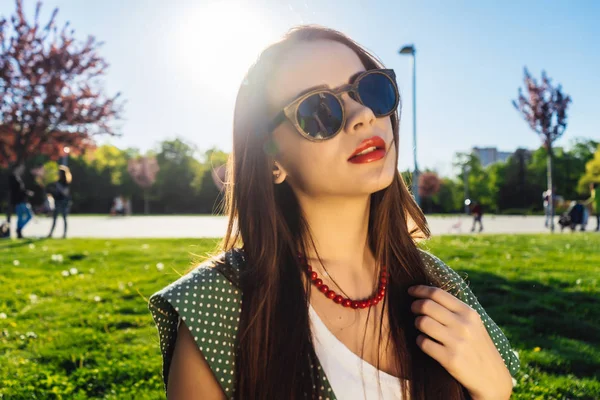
pixel 57 258
pixel 508 256
pixel 97 299
pixel 16 263
pixel 92 270
pixel 568 246
pixel 130 284
pixel 31 246
pixel 578 282
pixel 146 267
pixel 145 246
pixel 33 298
pixel 160 266
pixel 121 286
pixel 105 252
pixel 31 335
pixel 65 273
pixel 44 248
pixel 3 315
pixel 73 271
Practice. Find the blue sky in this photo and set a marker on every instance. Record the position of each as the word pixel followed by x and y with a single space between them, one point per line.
pixel 178 63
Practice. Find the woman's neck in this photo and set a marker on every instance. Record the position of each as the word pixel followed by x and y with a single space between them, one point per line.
pixel 339 227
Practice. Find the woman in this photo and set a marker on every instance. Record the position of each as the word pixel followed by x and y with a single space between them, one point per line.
pixel 19 198
pixel 62 197
pixel 309 297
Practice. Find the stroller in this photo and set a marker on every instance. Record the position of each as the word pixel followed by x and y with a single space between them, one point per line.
pixel 577 214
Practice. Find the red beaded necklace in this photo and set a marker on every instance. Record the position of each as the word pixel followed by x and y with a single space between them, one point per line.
pixel 330 294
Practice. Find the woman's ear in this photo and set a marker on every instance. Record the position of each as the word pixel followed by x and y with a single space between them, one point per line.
pixel 279 174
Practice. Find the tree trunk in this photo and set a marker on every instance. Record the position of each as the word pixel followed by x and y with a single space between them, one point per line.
pixel 146 203
pixel 550 186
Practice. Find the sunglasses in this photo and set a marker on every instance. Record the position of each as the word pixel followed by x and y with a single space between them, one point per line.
pixel 319 114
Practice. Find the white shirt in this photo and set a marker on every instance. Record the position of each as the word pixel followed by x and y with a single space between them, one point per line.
pixel 350 377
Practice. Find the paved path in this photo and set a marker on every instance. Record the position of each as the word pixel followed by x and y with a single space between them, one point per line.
pixel 213 226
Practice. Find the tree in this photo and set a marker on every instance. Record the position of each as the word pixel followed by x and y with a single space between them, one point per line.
pixel 179 179
pixel 545 110
pixel 592 172
pixel 50 94
pixel 143 170
pixel 473 179
pixel 112 159
pixel 429 186
pixel 518 188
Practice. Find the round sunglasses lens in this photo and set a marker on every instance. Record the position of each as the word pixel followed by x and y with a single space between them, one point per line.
pixel 378 92
pixel 320 115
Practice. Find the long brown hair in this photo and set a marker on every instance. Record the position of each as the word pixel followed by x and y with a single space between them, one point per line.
pixel 275 354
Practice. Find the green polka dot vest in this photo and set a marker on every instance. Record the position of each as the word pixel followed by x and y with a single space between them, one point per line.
pixel 208 299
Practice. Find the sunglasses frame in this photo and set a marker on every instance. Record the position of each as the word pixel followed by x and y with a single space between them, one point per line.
pixel 291 110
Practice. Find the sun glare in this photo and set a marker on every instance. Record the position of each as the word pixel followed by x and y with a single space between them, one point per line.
pixel 217 42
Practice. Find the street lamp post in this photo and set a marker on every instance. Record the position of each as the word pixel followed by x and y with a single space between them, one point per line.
pixel 410 50
pixel 66 151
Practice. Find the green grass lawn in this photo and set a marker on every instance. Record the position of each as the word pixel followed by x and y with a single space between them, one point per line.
pixel 74 322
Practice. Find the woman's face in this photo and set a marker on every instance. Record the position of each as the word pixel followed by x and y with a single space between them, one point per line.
pixel 319 169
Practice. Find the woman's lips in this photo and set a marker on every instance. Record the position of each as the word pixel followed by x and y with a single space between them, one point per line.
pixel 375 147
pixel 374 155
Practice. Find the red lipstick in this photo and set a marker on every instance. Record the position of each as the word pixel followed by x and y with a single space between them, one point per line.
pixel 373 148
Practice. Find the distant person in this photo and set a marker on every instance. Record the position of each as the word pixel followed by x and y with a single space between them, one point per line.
pixel 477 213
pixel 594 202
pixel 19 198
pixel 62 197
pixel 118 207
pixel 49 204
pixel 547 195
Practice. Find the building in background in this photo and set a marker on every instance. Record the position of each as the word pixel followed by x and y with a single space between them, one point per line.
pixel 490 155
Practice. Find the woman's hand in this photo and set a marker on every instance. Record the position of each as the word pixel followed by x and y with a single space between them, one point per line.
pixel 461 343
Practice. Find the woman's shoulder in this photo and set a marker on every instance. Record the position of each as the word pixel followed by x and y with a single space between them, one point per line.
pixel 219 274
pixel 440 270
pixel 208 300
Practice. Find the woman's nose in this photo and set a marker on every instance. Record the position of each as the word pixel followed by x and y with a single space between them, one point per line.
pixel 359 115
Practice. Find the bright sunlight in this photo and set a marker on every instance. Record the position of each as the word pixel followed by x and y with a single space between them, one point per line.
pixel 217 43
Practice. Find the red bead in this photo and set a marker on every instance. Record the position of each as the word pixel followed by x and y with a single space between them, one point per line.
pixel 369 302
pixel 324 288
pixel 382 286
pixel 375 301
pixel 363 304
pixel 313 276
pixel 379 297
pixel 330 295
pixel 347 303
pixel 383 280
pixel 338 299
pixel 318 283
pixel 309 268
pixel 382 292
pixel 355 304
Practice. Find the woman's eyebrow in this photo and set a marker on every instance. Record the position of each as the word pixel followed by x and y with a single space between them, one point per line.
pixel 325 86
pixel 310 89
